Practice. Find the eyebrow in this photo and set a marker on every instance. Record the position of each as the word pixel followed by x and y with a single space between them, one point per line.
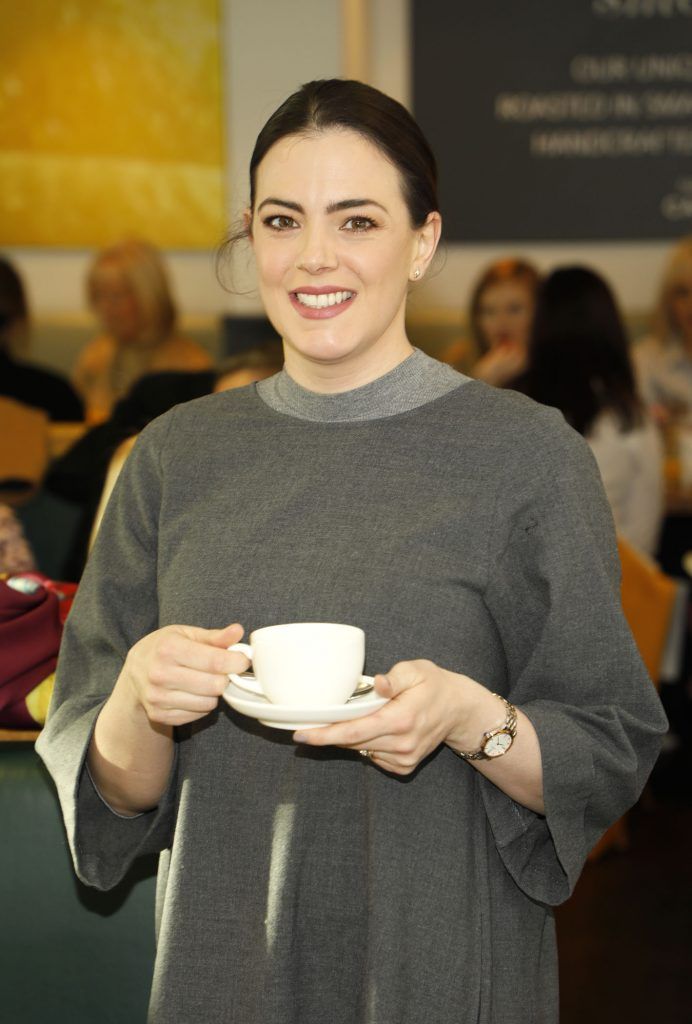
pixel 335 207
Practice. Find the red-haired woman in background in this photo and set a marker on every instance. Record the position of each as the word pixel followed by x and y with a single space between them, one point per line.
pixel 500 315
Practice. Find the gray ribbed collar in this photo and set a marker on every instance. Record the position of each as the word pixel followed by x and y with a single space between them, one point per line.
pixel 415 381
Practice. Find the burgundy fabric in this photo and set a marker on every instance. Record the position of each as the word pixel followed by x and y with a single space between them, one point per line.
pixel 30 632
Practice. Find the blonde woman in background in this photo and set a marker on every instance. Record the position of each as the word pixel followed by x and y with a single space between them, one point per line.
pixel 129 292
pixel 664 360
pixel 501 314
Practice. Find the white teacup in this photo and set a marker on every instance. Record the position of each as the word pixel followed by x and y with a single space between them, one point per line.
pixel 305 664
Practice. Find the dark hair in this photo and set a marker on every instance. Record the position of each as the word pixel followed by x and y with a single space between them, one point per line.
pixel 510 269
pixel 353 106
pixel 13 305
pixel 579 359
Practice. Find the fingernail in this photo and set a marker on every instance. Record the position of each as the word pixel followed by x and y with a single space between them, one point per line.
pixel 300 737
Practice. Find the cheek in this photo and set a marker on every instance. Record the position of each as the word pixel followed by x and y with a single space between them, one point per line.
pixel 271 263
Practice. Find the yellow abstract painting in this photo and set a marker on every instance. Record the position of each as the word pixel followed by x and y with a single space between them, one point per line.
pixel 111 123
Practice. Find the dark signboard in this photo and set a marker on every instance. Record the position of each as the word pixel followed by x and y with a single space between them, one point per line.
pixel 558 119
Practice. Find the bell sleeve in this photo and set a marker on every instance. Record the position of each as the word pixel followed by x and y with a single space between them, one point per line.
pixel 116 605
pixel 553 591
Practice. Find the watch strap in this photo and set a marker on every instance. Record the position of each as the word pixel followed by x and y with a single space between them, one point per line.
pixel 509 726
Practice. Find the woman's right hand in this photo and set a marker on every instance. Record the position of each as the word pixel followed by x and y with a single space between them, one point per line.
pixel 501 364
pixel 177 674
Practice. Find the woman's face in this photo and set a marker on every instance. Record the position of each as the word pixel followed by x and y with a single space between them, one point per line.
pixel 681 304
pixel 335 252
pixel 115 304
pixel 505 314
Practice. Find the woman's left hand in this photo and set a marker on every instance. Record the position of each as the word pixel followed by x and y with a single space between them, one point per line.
pixel 428 706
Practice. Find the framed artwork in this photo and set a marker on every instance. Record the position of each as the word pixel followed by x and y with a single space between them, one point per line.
pixel 111 123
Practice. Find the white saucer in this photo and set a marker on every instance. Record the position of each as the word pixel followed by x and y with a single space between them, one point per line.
pixel 282 716
pixel 248 682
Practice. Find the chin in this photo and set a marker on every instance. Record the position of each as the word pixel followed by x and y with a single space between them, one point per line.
pixel 321 348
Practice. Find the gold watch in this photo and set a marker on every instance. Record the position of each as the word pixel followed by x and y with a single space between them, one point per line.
pixel 495 742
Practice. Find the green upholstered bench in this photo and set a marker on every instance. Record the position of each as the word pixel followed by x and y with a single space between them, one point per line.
pixel 67 953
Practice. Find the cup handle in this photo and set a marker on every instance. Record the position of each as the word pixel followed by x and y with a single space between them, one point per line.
pixel 243 649
pixel 245 682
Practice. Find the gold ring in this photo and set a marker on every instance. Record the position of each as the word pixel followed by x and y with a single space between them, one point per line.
pixel 365 753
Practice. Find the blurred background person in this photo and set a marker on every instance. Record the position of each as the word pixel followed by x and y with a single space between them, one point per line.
pixel 28 384
pixel 85 474
pixel 129 293
pixel 248 366
pixel 500 317
pixel 579 362
pixel 664 360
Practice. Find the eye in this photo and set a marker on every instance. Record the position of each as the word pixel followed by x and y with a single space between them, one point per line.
pixel 280 222
pixel 359 225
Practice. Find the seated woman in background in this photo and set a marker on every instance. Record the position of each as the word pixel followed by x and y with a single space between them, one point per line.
pixel 664 360
pixel 501 313
pixel 579 363
pixel 129 292
pixel 30 385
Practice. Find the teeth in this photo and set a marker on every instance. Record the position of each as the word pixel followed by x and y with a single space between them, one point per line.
pixel 322 301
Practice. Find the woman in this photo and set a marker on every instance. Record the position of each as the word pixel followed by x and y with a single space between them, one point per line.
pixel 28 384
pixel 381 870
pixel 501 313
pixel 129 293
pixel 664 361
pixel 579 363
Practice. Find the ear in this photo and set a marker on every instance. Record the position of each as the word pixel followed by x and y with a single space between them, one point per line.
pixel 247 222
pixel 427 239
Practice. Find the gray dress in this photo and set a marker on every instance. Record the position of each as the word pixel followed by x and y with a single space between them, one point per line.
pixel 306 886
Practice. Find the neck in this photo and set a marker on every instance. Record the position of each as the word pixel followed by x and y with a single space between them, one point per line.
pixel 330 377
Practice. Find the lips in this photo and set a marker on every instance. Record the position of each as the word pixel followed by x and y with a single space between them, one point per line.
pixel 321 303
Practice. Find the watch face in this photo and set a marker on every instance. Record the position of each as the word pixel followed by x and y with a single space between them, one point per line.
pixel 497 744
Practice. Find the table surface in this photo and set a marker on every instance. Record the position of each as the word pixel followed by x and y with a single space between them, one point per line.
pixel 18 735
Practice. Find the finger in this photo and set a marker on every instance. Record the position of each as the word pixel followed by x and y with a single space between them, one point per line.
pixel 175 717
pixel 225 637
pixel 390 762
pixel 179 649
pixel 403 676
pixel 180 677
pixel 378 728
pixel 382 761
pixel 183 700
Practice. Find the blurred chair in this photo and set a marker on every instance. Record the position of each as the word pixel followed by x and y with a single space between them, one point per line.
pixel 649 599
pixel 69 954
pixel 23 450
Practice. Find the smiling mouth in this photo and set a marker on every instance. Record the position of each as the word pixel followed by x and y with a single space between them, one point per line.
pixel 323 300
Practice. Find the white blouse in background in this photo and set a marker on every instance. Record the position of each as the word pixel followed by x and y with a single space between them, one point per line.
pixel 664 374
pixel 631 467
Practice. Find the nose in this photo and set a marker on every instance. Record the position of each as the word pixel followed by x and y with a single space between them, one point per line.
pixel 317 252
